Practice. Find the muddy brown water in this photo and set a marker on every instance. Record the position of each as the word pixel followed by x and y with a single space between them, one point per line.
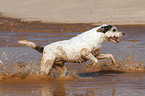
pixel 19 65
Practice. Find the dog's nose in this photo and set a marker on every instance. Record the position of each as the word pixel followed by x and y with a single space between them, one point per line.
pixel 123 33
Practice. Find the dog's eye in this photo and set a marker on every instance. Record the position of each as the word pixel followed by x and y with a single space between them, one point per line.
pixel 114 30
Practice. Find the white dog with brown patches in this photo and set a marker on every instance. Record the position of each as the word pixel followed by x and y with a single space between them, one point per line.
pixel 83 47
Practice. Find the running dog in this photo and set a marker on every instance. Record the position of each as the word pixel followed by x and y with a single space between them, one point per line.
pixel 83 47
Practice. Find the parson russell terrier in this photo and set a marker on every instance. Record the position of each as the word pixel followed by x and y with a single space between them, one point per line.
pixel 78 49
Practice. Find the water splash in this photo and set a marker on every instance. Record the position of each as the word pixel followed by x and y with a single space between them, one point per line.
pixel 4 57
pixel 129 64
pixel 1 62
pixel 21 66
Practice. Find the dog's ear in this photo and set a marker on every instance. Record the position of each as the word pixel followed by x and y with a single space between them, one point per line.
pixel 101 29
pixel 104 29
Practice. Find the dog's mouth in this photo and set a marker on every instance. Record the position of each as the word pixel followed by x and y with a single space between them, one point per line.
pixel 114 39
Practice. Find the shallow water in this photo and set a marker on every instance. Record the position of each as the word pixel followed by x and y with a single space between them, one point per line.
pixel 123 84
pixel 19 65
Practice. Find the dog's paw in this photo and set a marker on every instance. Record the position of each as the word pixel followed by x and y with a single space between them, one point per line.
pixel 90 66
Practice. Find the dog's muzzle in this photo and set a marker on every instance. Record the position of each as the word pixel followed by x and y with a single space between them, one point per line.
pixel 116 39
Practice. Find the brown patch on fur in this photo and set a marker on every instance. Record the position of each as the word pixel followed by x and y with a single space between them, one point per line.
pixel 39 49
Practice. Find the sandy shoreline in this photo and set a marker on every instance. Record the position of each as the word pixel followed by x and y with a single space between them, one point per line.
pixel 74 11
pixel 63 20
pixel 12 30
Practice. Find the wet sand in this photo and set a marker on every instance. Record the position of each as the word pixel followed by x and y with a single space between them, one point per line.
pixel 74 11
pixel 23 29
pixel 19 66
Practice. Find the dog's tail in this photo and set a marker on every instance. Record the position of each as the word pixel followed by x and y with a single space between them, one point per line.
pixel 32 45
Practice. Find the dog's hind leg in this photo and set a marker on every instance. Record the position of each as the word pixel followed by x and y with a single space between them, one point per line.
pixel 46 64
pixel 60 68
pixel 109 56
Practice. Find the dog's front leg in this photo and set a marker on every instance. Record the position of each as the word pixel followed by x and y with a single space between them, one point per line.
pixel 109 56
pixel 93 59
pixel 86 54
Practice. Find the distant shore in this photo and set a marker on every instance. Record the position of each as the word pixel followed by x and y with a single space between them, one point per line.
pixel 118 12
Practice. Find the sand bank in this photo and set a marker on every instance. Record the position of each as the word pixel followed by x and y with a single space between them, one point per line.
pixel 76 11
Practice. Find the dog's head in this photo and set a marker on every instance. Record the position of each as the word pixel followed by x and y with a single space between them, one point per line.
pixel 110 32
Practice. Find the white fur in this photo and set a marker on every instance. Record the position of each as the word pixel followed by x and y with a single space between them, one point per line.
pixel 89 40
pixel 27 43
pixel 83 47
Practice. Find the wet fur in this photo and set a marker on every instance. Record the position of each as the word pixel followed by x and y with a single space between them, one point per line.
pixel 83 47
